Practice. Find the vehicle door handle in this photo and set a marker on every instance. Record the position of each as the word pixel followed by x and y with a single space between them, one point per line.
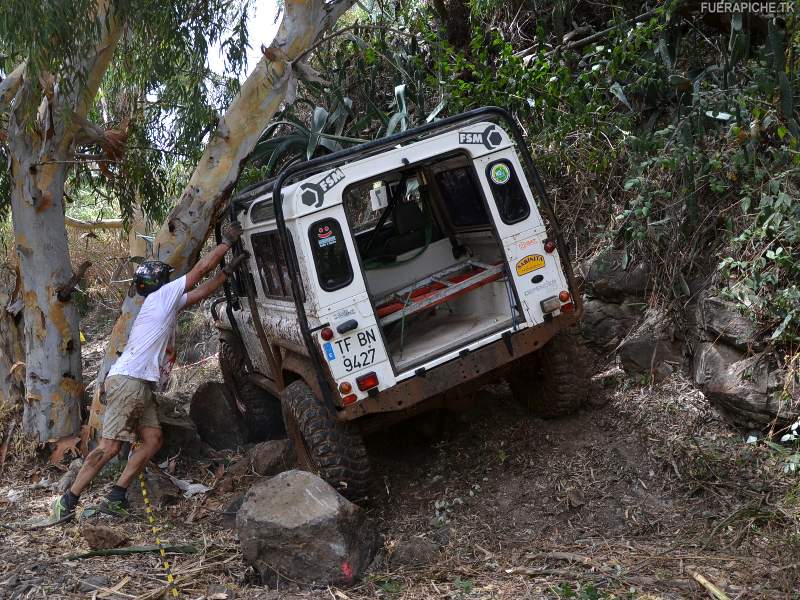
pixel 346 326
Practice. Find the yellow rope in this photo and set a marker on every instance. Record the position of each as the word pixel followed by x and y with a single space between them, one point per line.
pixel 148 509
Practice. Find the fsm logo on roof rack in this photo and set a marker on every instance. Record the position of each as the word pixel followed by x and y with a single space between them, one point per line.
pixel 489 137
pixel 313 194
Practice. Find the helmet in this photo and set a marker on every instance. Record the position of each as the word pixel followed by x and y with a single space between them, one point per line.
pixel 150 276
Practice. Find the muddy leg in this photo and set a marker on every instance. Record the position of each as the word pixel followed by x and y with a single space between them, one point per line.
pixel 96 460
pixel 150 439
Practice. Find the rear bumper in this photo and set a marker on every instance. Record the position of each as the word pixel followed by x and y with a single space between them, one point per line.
pixel 472 366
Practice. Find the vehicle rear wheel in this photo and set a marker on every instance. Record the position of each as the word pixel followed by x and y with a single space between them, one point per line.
pixel 556 377
pixel 261 410
pixel 332 449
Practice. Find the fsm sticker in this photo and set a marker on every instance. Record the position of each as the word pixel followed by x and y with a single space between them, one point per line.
pixel 530 263
pixel 500 173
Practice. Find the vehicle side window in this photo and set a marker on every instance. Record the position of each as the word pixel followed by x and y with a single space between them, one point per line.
pixel 507 191
pixel 462 198
pixel 332 262
pixel 271 261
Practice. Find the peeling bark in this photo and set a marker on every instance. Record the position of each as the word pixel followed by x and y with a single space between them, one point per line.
pixel 182 236
pixel 12 351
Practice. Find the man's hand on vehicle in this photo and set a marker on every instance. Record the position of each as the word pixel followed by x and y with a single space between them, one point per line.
pixel 234 264
pixel 231 233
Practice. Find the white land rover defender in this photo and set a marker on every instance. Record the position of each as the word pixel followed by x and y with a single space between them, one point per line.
pixel 386 279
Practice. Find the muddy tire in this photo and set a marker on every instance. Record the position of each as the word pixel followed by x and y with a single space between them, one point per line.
pixel 262 410
pixel 332 449
pixel 556 381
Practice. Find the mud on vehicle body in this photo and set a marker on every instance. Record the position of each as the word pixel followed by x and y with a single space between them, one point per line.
pixel 385 279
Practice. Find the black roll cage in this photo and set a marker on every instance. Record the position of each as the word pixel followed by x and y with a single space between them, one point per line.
pixel 308 168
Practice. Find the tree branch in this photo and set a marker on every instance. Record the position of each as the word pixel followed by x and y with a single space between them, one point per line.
pixel 92 225
pixel 64 293
pixel 10 85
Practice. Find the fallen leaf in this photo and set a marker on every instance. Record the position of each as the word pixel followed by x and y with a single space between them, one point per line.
pixel 64 446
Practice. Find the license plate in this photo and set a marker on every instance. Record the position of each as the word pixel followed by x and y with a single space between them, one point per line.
pixel 355 351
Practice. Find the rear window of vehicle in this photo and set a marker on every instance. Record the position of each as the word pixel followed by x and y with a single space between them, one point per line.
pixel 462 198
pixel 331 259
pixel 507 191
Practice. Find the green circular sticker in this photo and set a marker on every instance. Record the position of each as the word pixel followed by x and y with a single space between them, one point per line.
pixel 500 173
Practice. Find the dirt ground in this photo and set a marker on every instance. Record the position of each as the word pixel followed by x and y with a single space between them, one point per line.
pixel 639 499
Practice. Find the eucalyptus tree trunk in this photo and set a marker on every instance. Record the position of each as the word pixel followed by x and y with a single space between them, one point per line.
pixel 182 236
pixel 12 351
pixel 41 143
pixel 53 384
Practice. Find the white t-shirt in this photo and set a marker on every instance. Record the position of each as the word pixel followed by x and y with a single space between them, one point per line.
pixel 152 331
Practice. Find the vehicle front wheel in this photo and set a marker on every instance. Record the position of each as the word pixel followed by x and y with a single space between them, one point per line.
pixel 332 449
pixel 261 410
pixel 554 381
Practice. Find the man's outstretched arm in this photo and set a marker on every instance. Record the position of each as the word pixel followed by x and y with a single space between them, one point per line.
pixel 230 235
pixel 209 287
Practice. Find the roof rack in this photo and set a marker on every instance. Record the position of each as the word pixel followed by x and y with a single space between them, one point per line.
pixel 246 197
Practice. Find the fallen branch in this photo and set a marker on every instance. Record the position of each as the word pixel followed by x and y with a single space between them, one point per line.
pixel 710 587
pixel 179 549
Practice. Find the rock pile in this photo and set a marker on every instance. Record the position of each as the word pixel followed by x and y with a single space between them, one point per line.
pixel 711 340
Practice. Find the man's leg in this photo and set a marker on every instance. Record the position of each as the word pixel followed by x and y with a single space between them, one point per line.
pixel 150 440
pixel 64 507
pixel 96 460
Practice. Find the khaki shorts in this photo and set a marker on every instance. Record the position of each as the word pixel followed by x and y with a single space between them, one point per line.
pixel 129 406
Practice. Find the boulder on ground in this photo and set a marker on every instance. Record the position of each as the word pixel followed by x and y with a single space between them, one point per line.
pixel 610 278
pixel 752 392
pixel 214 413
pixel 160 490
pixel 605 324
pixel 652 348
pixel 722 322
pixel 265 459
pixel 414 552
pixel 297 527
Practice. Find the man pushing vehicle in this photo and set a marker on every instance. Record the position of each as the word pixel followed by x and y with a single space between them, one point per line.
pixel 131 412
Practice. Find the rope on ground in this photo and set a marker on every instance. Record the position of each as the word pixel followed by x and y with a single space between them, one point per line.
pixel 148 508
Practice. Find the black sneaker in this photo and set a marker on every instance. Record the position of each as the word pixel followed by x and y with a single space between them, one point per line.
pixel 61 513
pixel 114 508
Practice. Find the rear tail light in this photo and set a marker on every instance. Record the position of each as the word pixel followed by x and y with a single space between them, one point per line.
pixel 327 334
pixel 368 381
pixel 345 388
pixel 348 400
pixel 549 246
pixel 568 307
pixel 550 304
pixel 564 296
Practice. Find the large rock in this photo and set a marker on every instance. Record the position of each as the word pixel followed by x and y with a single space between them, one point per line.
pixel 297 527
pixel 214 413
pixel 610 278
pixel 710 359
pixel 652 348
pixel 751 392
pixel 604 324
pixel 722 322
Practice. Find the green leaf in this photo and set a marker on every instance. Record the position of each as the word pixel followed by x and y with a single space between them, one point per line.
pixel 617 90
pixel 318 121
